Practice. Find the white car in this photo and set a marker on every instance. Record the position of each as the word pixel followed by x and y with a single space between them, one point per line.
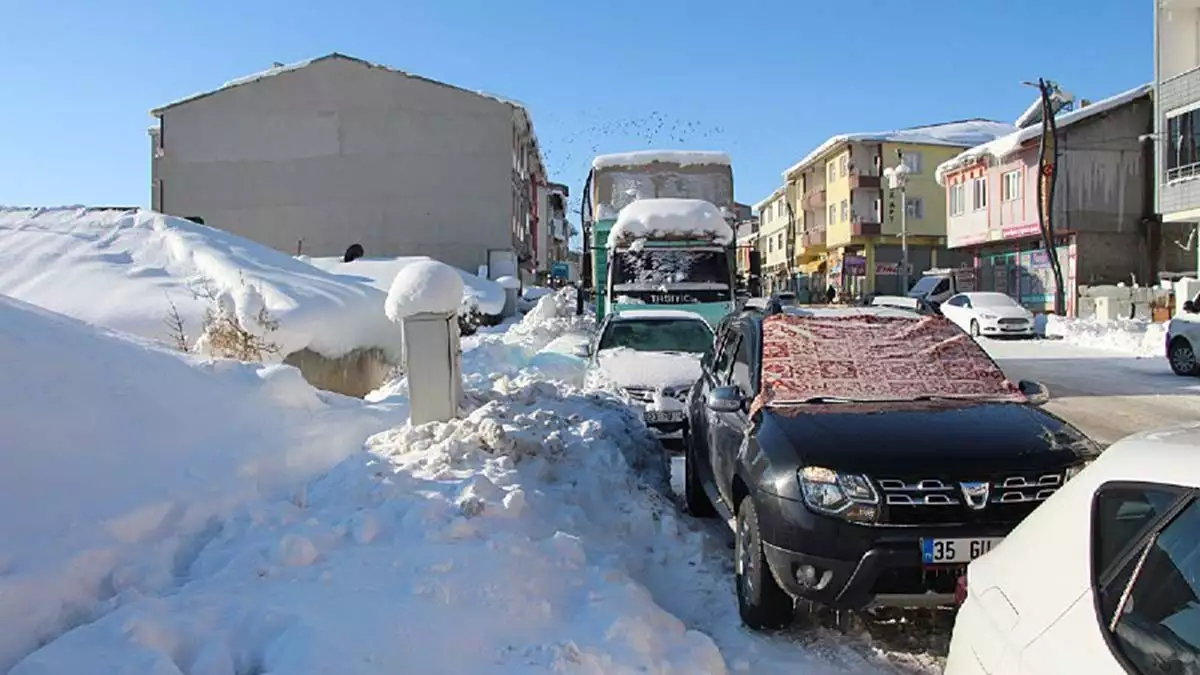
pixel 653 358
pixel 988 313
pixel 1183 336
pixel 1103 577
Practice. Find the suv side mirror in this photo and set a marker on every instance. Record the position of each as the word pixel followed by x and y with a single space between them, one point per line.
pixel 583 351
pixel 1036 392
pixel 727 399
pixel 1189 306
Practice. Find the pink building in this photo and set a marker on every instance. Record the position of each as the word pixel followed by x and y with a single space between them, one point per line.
pixel 1105 227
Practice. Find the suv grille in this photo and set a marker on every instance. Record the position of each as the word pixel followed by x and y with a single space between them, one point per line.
pixel 1013 322
pixel 938 500
pixel 643 395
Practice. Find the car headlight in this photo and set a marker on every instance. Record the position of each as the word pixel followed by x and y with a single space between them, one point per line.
pixel 850 496
pixel 987 315
pixel 1074 470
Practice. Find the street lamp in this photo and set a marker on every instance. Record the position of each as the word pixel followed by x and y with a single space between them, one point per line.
pixel 897 178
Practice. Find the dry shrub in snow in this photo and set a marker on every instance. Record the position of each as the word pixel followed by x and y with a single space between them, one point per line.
pixel 236 324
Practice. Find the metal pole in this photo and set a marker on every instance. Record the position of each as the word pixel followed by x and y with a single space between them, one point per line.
pixel 903 239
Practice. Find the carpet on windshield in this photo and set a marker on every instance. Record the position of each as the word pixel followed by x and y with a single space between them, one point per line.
pixel 875 358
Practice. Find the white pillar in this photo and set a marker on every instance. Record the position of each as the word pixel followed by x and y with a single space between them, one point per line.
pixel 433 363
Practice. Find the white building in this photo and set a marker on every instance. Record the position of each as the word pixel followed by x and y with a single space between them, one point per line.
pixel 1177 109
pixel 316 156
pixel 553 233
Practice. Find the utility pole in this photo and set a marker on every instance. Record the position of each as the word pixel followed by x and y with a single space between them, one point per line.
pixel 897 178
pixel 1047 175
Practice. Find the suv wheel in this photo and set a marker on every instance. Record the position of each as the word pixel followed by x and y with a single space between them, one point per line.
pixel 762 604
pixel 1182 357
pixel 694 496
pixel 974 328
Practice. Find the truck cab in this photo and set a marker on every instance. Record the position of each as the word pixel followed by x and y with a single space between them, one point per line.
pixel 937 285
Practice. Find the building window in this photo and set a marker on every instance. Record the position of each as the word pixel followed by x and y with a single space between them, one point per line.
pixel 770 244
pixel 914 207
pixel 1010 186
pixel 958 199
pixel 832 214
pixel 912 160
pixel 781 241
pixel 832 172
pixel 979 194
pixel 1183 155
pixel 843 164
pixel 845 210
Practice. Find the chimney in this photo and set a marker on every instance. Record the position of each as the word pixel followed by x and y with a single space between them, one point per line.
pixel 1083 103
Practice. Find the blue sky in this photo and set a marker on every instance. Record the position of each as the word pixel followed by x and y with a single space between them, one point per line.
pixel 765 80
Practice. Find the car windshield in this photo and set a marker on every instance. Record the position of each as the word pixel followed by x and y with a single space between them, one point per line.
pixel 875 358
pixel 997 300
pixel 651 268
pixel 926 284
pixel 658 335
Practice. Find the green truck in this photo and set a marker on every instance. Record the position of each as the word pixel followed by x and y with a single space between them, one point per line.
pixel 659 232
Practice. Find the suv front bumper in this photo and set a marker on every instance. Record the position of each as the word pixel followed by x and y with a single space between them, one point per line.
pixel 843 565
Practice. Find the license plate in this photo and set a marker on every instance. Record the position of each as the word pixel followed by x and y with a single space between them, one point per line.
pixel 661 416
pixel 950 551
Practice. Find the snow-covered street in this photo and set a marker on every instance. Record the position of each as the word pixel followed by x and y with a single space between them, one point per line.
pixel 1106 393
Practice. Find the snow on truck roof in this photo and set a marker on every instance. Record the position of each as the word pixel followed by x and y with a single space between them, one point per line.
pixel 874 356
pixel 1006 145
pixel 670 218
pixel 644 157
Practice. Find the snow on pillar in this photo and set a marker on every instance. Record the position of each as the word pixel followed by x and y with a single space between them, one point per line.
pixel 511 286
pixel 424 299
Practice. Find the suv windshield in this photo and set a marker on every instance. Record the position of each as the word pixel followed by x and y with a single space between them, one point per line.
pixel 651 268
pixel 658 335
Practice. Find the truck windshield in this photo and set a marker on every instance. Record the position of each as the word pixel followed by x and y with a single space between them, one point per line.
pixel 658 335
pixel 653 268
pixel 930 285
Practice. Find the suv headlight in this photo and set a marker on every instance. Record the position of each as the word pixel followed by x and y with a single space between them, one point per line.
pixel 1074 470
pixel 850 496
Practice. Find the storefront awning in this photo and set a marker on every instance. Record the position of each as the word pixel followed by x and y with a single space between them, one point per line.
pixel 813 267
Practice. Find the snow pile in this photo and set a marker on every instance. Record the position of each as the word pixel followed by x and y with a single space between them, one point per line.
pixel 483 294
pixel 670 218
pixel 964 134
pixel 509 283
pixel 552 317
pixel 622 367
pixel 130 270
pixel 117 453
pixel 512 540
pixel 424 286
pixel 999 148
pixel 647 157
pixel 1133 337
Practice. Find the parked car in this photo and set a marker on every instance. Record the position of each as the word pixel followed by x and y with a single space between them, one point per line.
pixel 862 456
pixel 1122 594
pixel 1183 334
pixel 912 304
pixel 653 357
pixel 988 313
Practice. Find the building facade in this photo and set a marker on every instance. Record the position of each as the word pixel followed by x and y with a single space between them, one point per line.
pixel 749 261
pixel 1105 227
pixel 316 156
pixel 1177 109
pixel 553 231
pixel 846 221
pixel 773 242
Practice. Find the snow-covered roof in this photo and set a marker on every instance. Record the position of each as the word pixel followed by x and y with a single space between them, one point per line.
pixel 758 206
pixel 644 157
pixel 657 315
pixel 670 218
pixel 1006 145
pixel 963 133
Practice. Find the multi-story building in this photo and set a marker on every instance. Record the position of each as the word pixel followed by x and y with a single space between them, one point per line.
pixel 316 156
pixel 554 232
pixel 749 261
pixel 773 233
pixel 1103 211
pixel 846 223
pixel 1177 110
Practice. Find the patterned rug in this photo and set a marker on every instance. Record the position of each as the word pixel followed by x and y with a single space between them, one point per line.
pixel 875 358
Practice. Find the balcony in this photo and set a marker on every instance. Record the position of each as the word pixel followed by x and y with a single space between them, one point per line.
pixel 813 238
pixel 861 227
pixel 863 180
pixel 813 200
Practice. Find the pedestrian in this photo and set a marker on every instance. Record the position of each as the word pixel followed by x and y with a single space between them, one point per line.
pixel 830 294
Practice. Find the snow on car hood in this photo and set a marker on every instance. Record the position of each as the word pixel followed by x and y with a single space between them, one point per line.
pixel 626 368
pixel 1005 312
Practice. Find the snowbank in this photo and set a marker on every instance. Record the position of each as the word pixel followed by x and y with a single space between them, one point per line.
pixel 116 454
pixel 424 286
pixel 666 217
pixel 999 148
pixel 646 157
pixel 125 270
pixel 1127 336
pixel 486 295
pixel 964 134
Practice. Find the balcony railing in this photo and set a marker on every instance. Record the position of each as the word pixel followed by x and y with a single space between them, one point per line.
pixel 813 238
pixel 863 180
pixel 863 227
pixel 813 199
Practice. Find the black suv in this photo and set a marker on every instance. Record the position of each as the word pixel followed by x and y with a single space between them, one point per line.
pixel 863 456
